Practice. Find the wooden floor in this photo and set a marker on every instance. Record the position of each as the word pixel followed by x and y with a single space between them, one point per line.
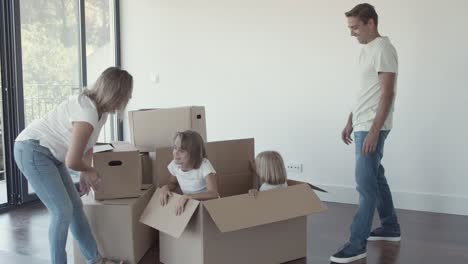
pixel 428 238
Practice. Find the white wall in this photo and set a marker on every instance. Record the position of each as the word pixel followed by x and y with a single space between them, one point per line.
pixel 284 72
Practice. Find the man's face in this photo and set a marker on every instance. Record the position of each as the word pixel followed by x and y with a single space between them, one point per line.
pixel 360 30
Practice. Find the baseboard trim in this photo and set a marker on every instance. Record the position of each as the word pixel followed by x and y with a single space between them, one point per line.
pixel 428 202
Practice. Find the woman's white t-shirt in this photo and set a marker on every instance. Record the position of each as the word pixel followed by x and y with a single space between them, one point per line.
pixel 192 181
pixel 54 131
pixel 266 186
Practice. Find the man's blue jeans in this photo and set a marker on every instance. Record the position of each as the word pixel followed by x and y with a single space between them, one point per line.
pixel 373 192
pixel 53 185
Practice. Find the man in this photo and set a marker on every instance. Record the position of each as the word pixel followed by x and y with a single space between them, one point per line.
pixel 371 121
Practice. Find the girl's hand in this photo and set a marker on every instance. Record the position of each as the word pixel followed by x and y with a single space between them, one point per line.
pixel 165 194
pixel 253 193
pixel 252 167
pixel 181 204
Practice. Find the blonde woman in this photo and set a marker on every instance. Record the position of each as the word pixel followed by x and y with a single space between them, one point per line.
pixel 64 139
pixel 270 171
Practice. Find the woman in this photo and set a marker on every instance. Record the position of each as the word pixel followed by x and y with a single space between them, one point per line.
pixel 64 139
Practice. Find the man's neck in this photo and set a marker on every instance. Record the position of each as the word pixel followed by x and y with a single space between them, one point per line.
pixel 373 36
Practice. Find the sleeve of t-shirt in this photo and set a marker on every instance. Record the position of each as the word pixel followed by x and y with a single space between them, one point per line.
pixel 386 60
pixel 82 109
pixel 206 168
pixel 172 168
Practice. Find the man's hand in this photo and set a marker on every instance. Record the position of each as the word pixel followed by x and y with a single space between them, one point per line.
pixel 346 134
pixel 370 143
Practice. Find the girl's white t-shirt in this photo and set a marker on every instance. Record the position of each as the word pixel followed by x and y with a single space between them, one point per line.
pixel 266 186
pixel 192 181
pixel 54 131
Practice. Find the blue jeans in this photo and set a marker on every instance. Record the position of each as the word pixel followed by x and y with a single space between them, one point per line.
pixel 53 185
pixel 373 192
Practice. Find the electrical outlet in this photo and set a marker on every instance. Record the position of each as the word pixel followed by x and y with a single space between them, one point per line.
pixel 295 167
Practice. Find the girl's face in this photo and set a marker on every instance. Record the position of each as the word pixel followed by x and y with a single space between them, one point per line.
pixel 181 156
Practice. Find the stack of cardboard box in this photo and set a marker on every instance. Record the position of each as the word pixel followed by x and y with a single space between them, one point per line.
pixel 235 228
pixel 128 173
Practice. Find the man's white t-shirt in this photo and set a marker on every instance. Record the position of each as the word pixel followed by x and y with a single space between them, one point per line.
pixel 266 186
pixel 379 55
pixel 192 181
pixel 54 131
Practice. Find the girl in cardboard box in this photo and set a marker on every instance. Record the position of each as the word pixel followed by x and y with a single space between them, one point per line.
pixel 269 170
pixel 191 170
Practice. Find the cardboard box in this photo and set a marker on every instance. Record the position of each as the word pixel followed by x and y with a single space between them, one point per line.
pixel 119 165
pixel 237 228
pixel 155 128
pixel 116 228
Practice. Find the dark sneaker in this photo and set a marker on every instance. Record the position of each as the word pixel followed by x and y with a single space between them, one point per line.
pixel 348 253
pixel 379 234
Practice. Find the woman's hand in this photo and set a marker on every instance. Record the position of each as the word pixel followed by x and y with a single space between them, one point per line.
pixel 89 179
pixel 181 204
pixel 164 195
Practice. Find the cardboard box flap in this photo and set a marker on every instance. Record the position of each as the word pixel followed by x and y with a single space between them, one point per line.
pixel 102 148
pixel 156 109
pixel 243 211
pixel 231 156
pixel 164 219
pixel 293 182
pixel 116 146
pixel 122 146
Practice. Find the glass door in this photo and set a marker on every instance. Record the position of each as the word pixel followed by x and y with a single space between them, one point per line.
pixel 50 48
pixel 3 178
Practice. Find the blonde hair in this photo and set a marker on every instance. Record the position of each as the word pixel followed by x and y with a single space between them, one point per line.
pixel 111 91
pixel 270 167
pixel 192 142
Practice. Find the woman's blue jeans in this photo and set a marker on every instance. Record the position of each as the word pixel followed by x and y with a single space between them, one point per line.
pixel 54 186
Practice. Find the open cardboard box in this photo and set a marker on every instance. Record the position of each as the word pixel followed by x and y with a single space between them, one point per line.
pixel 155 128
pixel 236 228
pixel 116 227
pixel 119 165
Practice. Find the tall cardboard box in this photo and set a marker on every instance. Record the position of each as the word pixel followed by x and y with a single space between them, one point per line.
pixel 155 128
pixel 147 159
pixel 116 227
pixel 237 228
pixel 119 165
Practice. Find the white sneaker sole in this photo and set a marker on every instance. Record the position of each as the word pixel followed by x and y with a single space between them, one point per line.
pixel 391 239
pixel 348 260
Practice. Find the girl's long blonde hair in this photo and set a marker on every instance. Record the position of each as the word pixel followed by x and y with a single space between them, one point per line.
pixel 112 90
pixel 270 167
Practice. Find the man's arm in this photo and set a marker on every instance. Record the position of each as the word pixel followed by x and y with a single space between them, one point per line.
pixel 387 84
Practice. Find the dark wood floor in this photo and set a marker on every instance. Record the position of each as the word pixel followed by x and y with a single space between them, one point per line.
pixel 428 238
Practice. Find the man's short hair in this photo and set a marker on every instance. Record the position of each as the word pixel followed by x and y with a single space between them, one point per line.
pixel 364 12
